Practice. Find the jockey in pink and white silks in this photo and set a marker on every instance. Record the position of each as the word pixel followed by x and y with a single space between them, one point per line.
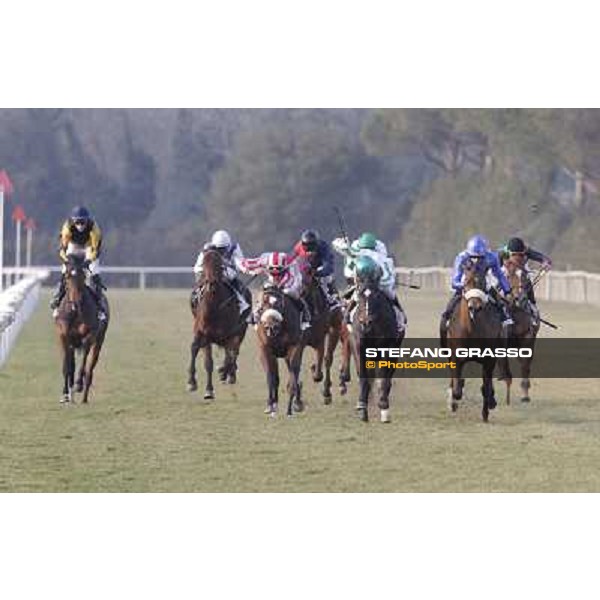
pixel 233 258
pixel 283 272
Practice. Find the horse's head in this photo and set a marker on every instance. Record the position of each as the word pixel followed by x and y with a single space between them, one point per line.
pixel 516 276
pixel 271 311
pixel 212 267
pixel 75 275
pixel 474 288
pixel 369 296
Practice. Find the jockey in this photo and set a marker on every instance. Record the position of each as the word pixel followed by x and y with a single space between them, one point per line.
pixel 233 257
pixel 340 245
pixel 368 246
pixel 284 273
pixel 318 255
pixel 479 255
pixel 81 234
pixel 517 252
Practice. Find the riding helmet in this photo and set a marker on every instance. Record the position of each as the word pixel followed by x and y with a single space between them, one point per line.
pixel 221 239
pixel 310 239
pixel 477 246
pixel 367 241
pixel 366 268
pixel 80 213
pixel 516 246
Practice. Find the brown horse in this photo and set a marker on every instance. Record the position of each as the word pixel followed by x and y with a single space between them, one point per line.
pixel 280 336
pixel 78 328
pixel 374 317
pixel 217 320
pixel 524 330
pixel 324 334
pixel 473 319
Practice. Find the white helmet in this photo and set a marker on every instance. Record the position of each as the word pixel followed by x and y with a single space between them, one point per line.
pixel 221 239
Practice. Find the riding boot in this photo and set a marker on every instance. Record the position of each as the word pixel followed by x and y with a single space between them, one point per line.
pixel 306 318
pixel 401 319
pixel 502 307
pixel 58 295
pixel 349 310
pixel 240 291
pixel 99 287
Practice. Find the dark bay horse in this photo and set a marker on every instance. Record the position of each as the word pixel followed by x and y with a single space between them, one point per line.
pixel 474 318
pixel 217 320
pixel 280 336
pixel 524 330
pixel 79 329
pixel 374 317
pixel 324 334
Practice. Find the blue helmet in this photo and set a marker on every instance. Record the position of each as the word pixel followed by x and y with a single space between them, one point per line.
pixel 81 213
pixel 477 246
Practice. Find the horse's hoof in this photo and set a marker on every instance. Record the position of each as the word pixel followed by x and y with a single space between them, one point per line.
pixel 65 400
pixel 364 417
pixel 299 406
pixel 492 404
pixel 454 407
pixel 486 418
pixel 232 380
pixel 328 400
pixel 526 400
pixel 192 387
pixel 209 396
pixel 79 388
pixel 343 390
pixel 385 416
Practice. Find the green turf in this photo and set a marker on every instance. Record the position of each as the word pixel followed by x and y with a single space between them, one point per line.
pixel 144 433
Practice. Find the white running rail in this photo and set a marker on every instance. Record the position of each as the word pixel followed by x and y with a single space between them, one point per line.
pixel 17 303
pixel 578 287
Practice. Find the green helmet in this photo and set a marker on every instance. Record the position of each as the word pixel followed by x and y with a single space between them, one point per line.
pixel 367 241
pixel 366 268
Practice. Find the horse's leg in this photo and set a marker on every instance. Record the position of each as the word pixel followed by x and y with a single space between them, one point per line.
pixel 64 345
pixel 345 376
pixel 79 384
pixel 332 341
pixel 525 381
pixel 505 375
pixel 90 362
pixel 384 399
pixel 293 361
pixel 233 353
pixel 487 389
pixel 317 367
pixel 209 366
pixel 192 381
pixel 363 400
pixel 271 368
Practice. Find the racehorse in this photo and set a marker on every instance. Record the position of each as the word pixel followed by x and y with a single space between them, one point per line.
pixel 474 318
pixel 280 336
pixel 217 320
pixel 79 329
pixel 324 334
pixel 524 331
pixel 374 317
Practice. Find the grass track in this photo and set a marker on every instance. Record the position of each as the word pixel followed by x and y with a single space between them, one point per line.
pixel 144 433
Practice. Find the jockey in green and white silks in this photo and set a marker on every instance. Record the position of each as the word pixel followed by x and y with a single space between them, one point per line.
pixel 368 246
pixel 349 252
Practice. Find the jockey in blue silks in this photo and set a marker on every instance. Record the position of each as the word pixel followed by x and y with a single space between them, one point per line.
pixel 484 260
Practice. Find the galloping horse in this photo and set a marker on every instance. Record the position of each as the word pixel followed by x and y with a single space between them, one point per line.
pixel 324 334
pixel 78 328
pixel 217 320
pixel 280 336
pixel 374 317
pixel 524 331
pixel 473 319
